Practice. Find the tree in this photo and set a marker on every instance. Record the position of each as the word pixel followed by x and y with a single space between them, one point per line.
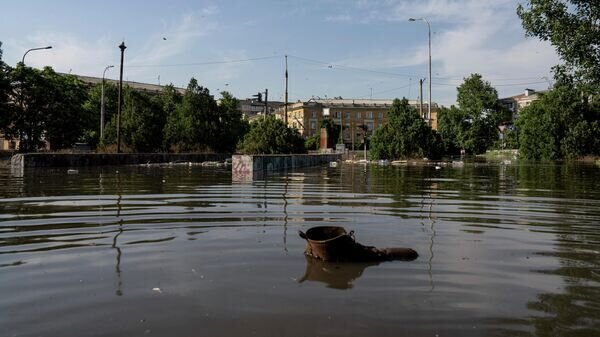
pixel 6 107
pixel 271 136
pixel 142 122
pixel 333 131
pixel 473 126
pixel 232 127
pixel 92 105
pixel 48 108
pixel 572 28
pixel 194 126
pixel 451 123
pixel 405 135
pixel 559 125
pixel 66 118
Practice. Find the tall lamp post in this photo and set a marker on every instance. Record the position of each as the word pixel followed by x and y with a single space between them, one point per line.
pixel 102 103
pixel 122 47
pixel 21 93
pixel 429 31
pixel 32 49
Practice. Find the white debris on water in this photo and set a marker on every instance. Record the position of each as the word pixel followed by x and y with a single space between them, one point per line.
pixel 72 171
pixel 157 290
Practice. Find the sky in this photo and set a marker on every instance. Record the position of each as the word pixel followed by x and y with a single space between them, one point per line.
pixel 348 48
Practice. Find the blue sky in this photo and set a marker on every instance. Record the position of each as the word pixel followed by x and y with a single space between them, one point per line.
pixel 335 47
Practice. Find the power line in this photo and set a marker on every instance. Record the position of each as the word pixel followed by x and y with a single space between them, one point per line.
pixel 496 85
pixel 352 68
pixel 203 63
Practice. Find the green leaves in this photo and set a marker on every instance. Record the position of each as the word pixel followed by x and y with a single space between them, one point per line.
pixel 473 125
pixel 572 28
pixel 48 108
pixel 406 135
pixel 271 136
pixel 559 125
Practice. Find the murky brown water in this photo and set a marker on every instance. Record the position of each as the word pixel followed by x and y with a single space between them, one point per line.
pixel 504 251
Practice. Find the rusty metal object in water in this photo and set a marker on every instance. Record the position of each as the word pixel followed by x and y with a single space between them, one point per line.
pixel 333 243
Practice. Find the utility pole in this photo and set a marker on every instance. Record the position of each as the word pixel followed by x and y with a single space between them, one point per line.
pixel 266 102
pixel 285 107
pixel 352 135
pixel 421 80
pixel 341 127
pixel 120 101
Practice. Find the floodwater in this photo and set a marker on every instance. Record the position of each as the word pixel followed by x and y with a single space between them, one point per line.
pixel 505 250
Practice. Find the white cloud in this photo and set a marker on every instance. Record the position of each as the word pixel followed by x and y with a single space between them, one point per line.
pixel 73 53
pixel 70 53
pixel 175 40
pixel 467 36
pixel 339 18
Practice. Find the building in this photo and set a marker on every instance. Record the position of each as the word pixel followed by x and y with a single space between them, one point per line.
pixel 354 114
pixel 137 86
pixel 517 102
pixel 252 108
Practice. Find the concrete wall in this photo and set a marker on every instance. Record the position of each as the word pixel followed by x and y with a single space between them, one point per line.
pixel 245 167
pixel 31 160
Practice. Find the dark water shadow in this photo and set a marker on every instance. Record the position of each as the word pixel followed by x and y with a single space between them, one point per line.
pixel 335 275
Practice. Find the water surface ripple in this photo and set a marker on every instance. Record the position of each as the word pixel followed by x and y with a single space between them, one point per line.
pixel 505 250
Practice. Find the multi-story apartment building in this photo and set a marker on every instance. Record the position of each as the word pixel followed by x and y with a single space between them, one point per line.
pixel 517 102
pixel 252 109
pixel 355 115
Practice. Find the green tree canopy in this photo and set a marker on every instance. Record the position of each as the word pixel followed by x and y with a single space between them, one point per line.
pixel 269 135
pixel 405 135
pixel 559 125
pixel 451 124
pixel 194 126
pixel 142 122
pixel 473 126
pixel 232 127
pixel 6 106
pixel 572 26
pixel 92 106
pixel 49 108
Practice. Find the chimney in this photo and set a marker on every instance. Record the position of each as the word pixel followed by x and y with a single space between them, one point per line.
pixel 529 92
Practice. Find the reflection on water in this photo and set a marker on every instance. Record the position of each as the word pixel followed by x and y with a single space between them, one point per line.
pixel 334 275
pixel 505 250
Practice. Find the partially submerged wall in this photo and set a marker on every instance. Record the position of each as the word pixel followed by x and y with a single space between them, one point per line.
pixel 246 167
pixel 33 160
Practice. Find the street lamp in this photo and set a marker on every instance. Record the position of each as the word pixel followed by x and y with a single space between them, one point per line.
pixel 32 49
pixel 429 30
pixel 120 107
pixel 102 104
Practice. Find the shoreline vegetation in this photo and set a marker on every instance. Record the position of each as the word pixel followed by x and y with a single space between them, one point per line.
pixel 42 109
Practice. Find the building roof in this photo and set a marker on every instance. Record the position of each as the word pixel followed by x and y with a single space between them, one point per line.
pixel 374 103
pixel 528 94
pixel 153 88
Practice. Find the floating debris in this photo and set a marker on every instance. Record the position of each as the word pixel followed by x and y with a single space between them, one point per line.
pixel 157 290
pixel 333 243
pixel 72 171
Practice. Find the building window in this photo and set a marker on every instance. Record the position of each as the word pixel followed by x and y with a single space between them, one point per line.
pixel 358 115
pixel 369 126
pixel 313 124
pixel 369 115
pixel 380 115
pixel 347 116
pixel 313 114
pixel 338 114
